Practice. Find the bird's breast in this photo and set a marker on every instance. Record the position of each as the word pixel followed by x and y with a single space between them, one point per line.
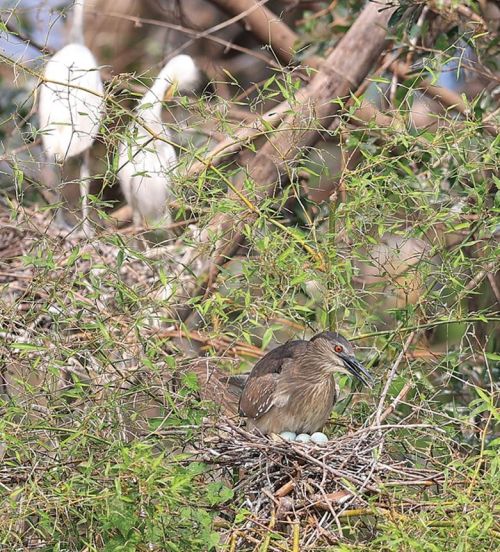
pixel 306 411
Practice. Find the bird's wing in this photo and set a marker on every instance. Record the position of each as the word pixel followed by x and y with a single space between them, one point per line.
pixel 237 382
pixel 259 396
pixel 261 390
pixel 277 359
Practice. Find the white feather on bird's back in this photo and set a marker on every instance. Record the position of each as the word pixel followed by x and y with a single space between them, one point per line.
pixel 71 102
pixel 144 180
pixel 181 70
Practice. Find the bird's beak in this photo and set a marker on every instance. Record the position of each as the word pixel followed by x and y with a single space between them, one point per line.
pixel 170 92
pixel 357 370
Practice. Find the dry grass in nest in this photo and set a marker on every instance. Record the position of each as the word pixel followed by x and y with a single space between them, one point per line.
pixel 302 493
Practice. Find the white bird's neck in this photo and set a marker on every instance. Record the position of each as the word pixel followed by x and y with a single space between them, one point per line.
pixel 151 103
pixel 76 33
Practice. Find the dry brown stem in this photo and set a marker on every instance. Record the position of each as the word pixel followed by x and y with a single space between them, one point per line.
pixel 447 6
pixel 444 95
pixel 264 24
pixel 287 484
pixel 400 397
pixel 391 376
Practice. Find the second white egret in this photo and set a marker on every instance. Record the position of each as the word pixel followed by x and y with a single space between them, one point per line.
pixel 147 158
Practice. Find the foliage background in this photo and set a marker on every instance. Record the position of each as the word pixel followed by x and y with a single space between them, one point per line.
pixel 95 431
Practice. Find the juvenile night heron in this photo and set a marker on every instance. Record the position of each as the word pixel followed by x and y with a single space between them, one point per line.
pixel 292 389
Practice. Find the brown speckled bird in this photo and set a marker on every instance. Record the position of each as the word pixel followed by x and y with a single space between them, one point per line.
pixel 291 389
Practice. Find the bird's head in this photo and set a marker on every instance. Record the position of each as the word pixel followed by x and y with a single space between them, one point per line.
pixel 180 74
pixel 336 355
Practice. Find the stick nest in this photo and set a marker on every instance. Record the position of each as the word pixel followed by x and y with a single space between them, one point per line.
pixel 299 491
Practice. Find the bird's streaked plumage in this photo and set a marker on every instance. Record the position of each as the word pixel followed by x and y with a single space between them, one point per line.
pixel 292 387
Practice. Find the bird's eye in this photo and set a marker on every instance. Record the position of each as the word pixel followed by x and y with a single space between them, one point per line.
pixel 339 348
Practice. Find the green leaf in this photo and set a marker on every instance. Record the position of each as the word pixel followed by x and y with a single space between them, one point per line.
pixel 266 339
pixel 218 493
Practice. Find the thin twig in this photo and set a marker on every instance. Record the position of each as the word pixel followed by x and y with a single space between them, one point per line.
pixel 401 396
pixel 391 376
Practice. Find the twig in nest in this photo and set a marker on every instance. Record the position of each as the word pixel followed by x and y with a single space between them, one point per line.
pixel 284 483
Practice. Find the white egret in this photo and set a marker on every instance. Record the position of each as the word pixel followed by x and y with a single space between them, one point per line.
pixel 147 160
pixel 71 105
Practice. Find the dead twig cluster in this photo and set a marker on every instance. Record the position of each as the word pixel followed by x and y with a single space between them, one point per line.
pixel 286 485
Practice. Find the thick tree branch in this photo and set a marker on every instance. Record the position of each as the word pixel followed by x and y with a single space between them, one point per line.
pixel 313 111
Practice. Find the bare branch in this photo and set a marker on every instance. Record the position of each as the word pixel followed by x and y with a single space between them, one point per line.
pixel 44 49
pixel 264 24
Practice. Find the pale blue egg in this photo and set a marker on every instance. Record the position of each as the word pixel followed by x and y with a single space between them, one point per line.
pixel 319 438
